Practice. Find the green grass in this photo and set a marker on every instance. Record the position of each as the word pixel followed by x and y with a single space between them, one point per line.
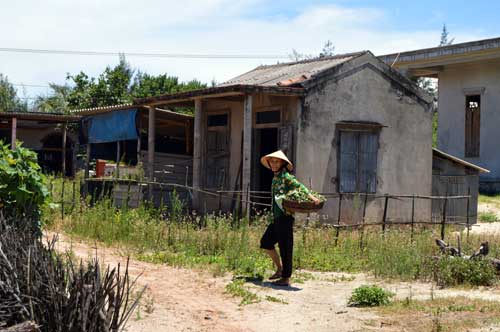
pixel 490 199
pixel 222 246
pixel 487 217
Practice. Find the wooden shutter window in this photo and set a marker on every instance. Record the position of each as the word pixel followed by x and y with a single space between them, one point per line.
pixel 358 161
pixel 472 125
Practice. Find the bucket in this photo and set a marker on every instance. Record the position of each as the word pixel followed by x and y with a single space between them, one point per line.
pixel 99 168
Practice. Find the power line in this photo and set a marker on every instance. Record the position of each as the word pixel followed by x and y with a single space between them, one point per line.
pixel 31 85
pixel 147 55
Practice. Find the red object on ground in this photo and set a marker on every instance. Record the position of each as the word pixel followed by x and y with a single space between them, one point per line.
pixel 99 168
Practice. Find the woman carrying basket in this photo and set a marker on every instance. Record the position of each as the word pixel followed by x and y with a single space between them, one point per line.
pixel 281 229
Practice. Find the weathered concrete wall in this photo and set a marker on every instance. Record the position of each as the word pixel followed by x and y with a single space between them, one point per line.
pixel 404 158
pixel 454 81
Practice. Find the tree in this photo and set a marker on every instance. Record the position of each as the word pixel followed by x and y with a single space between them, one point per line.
pixel 9 101
pixel 444 41
pixel 111 88
pixel 328 49
pixel 115 85
pixel 56 102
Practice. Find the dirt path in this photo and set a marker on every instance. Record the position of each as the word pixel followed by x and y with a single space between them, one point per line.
pixel 188 300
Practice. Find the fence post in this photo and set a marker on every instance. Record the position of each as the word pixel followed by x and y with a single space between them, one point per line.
pixel 127 201
pixel 363 223
pixel 443 222
pixel 337 230
pixel 413 217
pixel 384 221
pixel 73 196
pixel 62 199
pixel 468 210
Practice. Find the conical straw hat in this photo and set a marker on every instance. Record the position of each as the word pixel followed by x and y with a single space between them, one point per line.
pixel 278 154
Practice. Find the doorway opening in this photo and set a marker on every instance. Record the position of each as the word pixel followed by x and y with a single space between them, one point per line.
pixel 265 141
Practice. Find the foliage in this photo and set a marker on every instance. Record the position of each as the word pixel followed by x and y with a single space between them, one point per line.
pixel 370 296
pixel 56 102
pixel 120 84
pixel 453 271
pixel 435 119
pixel 22 185
pixel 487 217
pixel 236 288
pixel 328 49
pixel 445 41
pixel 300 195
pixel 9 101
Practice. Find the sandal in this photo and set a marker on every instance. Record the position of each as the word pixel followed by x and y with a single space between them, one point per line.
pixel 281 282
pixel 276 275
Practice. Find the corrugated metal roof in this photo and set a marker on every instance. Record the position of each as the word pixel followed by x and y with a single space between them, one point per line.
pixel 285 74
pixel 42 116
pixel 102 109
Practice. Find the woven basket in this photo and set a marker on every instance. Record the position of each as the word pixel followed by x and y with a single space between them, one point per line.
pixel 302 207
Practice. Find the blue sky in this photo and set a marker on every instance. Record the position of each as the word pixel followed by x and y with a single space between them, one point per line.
pixel 220 27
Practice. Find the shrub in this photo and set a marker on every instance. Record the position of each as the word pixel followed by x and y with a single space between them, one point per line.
pixel 487 217
pixel 22 187
pixel 452 271
pixel 370 296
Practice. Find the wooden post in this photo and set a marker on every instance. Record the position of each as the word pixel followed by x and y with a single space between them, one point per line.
pixel 187 136
pixel 468 210
pixel 337 230
pixel 197 152
pixel 139 141
pixel 247 151
pixel 73 198
pixel 384 221
pixel 151 146
pixel 13 134
pixel 117 171
pixel 443 222
pixel 62 199
pixel 64 137
pixel 412 217
pixel 363 222
pixel 87 168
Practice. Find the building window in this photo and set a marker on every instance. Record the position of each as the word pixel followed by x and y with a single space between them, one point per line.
pixel 472 125
pixel 268 117
pixel 358 161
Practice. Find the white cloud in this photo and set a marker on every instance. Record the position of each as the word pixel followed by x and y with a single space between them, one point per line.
pixel 188 26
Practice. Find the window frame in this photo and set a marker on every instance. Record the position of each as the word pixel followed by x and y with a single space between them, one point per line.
pixel 277 108
pixel 227 130
pixel 472 149
pixel 359 127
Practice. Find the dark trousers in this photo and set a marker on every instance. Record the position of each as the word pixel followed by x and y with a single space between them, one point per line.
pixel 280 231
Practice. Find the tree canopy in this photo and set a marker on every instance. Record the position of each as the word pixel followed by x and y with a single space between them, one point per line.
pixel 115 85
pixel 9 100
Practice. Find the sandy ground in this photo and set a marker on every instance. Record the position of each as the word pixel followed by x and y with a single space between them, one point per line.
pixel 181 299
pixel 487 228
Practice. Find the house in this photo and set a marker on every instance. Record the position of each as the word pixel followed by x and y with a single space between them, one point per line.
pixel 469 99
pixel 47 134
pixel 350 123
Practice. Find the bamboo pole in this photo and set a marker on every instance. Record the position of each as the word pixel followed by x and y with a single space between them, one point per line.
pixel 384 220
pixel 337 232
pixel 412 217
pixel 443 221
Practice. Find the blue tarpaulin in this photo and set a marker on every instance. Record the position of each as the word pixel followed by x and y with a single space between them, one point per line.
pixel 112 127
